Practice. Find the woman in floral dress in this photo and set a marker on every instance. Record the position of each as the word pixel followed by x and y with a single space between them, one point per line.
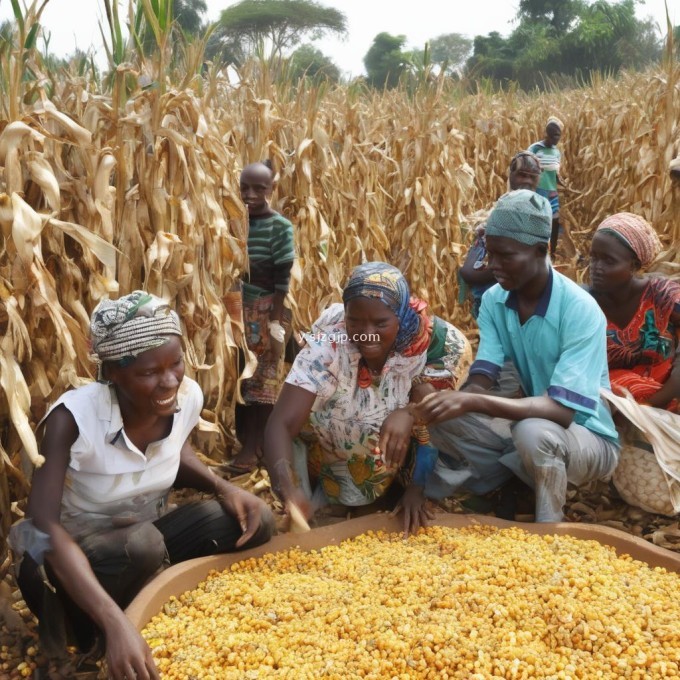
pixel 341 430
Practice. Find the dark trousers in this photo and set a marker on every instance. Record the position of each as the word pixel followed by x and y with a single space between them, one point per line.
pixel 124 559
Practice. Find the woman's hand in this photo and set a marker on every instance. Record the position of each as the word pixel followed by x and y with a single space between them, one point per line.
pixel 669 390
pixel 659 399
pixel 441 406
pixel 416 512
pixel 297 497
pixel 127 654
pixel 245 506
pixel 395 437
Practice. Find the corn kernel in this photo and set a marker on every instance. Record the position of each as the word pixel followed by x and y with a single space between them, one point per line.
pixel 476 602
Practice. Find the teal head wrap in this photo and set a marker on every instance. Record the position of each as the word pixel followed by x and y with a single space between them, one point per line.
pixel 523 216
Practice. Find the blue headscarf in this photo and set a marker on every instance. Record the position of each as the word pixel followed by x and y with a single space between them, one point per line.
pixel 382 281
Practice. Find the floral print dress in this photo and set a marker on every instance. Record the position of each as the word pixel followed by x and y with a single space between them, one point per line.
pixel 344 426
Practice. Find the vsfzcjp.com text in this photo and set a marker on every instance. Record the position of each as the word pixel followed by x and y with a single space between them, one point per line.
pixel 340 338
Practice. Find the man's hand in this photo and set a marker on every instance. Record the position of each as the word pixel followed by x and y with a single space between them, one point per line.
pixel 441 406
pixel 277 339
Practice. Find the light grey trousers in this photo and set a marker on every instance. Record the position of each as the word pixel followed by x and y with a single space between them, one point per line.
pixel 480 453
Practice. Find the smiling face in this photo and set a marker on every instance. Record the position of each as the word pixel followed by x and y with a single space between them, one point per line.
pixel 514 264
pixel 256 188
pixel 150 383
pixel 612 263
pixel 373 328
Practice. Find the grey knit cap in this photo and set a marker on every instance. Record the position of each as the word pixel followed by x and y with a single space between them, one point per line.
pixel 523 216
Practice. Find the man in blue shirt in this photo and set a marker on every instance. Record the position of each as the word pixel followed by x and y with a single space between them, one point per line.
pixel 554 333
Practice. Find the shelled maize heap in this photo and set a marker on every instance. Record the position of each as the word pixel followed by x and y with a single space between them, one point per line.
pixel 473 603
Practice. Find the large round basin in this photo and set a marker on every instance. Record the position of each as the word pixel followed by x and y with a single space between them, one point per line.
pixel 187 575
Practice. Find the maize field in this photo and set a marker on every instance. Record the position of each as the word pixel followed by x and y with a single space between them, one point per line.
pixel 113 185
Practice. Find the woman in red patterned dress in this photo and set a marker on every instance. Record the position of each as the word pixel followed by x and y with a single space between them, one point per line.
pixel 643 312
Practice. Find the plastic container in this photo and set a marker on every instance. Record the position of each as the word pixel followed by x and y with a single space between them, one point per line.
pixel 187 575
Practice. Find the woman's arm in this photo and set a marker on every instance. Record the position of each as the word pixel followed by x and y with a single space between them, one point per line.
pixel 671 388
pixel 245 506
pixel 669 391
pixel 290 413
pixel 126 651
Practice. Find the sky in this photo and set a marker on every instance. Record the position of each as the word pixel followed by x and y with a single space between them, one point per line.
pixel 75 22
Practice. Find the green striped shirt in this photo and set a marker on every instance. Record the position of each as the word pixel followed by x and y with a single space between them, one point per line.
pixel 271 252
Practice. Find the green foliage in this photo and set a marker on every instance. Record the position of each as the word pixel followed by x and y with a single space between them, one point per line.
pixel 559 14
pixel 273 25
pixel 566 37
pixel 23 73
pixel 188 14
pixel 178 17
pixel 385 61
pixel 309 62
pixel 450 50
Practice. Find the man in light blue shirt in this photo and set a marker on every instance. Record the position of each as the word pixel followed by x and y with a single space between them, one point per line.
pixel 552 331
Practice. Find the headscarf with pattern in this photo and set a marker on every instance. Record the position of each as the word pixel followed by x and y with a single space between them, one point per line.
pixel 382 281
pixel 525 161
pixel 636 233
pixel 124 328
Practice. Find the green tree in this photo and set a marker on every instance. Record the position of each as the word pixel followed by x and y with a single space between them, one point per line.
pixel 276 25
pixel 560 14
pixel 493 57
pixel 385 61
pixel 189 15
pixel 451 49
pixel 309 62
pixel 609 37
pixel 566 37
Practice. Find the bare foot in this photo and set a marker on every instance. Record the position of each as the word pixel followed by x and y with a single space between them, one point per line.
pixel 243 462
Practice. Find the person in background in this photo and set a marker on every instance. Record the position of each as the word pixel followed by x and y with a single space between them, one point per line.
pixel 364 361
pixel 525 169
pixel 550 158
pixel 271 254
pixel 643 312
pixel 554 333
pixel 97 524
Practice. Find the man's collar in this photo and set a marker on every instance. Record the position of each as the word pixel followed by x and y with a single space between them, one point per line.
pixel 542 305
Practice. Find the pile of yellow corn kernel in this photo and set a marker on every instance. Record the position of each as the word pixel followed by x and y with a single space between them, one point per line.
pixel 472 603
